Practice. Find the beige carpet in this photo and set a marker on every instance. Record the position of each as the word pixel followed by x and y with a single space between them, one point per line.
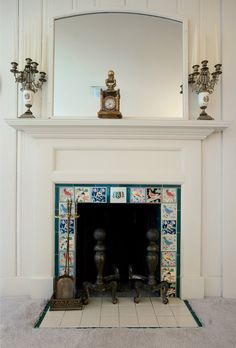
pixel 18 316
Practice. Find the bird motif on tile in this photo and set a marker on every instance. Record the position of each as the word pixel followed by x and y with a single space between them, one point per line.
pixel 167 241
pixel 67 193
pixel 170 194
pixel 63 209
pixel 168 210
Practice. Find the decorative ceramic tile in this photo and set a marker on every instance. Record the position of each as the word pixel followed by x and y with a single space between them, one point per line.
pixel 63 226
pixel 169 211
pixel 172 290
pixel 169 195
pixel 118 195
pixel 168 274
pixel 99 194
pixel 66 193
pixel 168 226
pixel 168 242
pixel 62 258
pixel 137 195
pixel 62 271
pixel 63 241
pixel 83 194
pixel 153 195
pixel 62 209
pixel 168 259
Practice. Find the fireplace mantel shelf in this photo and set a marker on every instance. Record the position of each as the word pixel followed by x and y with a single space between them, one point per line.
pixel 119 129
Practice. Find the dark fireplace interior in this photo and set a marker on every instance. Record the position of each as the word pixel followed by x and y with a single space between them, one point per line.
pixel 126 226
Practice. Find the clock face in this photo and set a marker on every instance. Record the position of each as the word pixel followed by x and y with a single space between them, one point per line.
pixel 109 103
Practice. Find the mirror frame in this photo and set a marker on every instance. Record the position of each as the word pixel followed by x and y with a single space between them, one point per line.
pixel 180 19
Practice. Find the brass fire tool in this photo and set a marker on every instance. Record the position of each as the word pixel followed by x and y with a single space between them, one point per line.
pixel 64 297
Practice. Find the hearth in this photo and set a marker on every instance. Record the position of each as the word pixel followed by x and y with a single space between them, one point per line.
pixel 125 213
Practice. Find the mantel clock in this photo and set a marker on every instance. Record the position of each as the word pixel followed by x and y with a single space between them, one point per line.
pixel 110 99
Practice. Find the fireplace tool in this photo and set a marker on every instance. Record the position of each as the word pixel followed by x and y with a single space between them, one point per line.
pixel 149 282
pixel 65 287
pixel 65 284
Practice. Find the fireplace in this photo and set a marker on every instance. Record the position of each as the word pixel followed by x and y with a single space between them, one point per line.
pixel 91 152
pixel 125 213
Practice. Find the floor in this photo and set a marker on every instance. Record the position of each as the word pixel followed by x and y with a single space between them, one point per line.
pixel 100 312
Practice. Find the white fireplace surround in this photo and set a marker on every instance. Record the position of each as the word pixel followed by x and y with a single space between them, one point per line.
pixel 104 151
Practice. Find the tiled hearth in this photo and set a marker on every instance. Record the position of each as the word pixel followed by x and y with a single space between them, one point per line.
pixel 166 198
pixel 149 313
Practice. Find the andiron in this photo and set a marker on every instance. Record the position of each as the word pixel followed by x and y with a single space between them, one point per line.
pixel 149 282
pixel 102 284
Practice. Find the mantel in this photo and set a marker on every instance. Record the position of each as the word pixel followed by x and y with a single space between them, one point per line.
pixel 131 128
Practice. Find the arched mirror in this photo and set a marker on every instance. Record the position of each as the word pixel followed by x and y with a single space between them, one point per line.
pixel 145 51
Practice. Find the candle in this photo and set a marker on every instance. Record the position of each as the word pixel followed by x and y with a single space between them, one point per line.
pixel 194 60
pixel 204 48
pixel 14 43
pixel 34 43
pixel 217 46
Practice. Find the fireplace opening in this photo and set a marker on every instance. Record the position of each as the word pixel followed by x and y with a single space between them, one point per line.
pixel 126 226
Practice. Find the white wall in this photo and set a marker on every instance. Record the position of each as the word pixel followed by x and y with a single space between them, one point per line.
pixel 34 24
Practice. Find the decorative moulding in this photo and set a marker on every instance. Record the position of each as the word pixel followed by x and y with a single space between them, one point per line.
pixel 118 129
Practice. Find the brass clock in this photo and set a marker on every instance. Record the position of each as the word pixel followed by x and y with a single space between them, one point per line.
pixel 110 99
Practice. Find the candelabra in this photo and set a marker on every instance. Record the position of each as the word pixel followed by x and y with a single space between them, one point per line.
pixel 29 85
pixel 203 83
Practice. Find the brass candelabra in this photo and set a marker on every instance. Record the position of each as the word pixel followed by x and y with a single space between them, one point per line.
pixel 29 85
pixel 203 83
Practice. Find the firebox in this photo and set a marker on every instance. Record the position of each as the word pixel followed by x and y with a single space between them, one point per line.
pixel 125 213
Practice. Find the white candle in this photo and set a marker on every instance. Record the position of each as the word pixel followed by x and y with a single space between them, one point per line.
pixel 38 60
pixel 34 43
pixel 194 60
pixel 217 46
pixel 14 42
pixel 204 47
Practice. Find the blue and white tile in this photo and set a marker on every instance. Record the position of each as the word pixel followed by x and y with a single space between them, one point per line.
pixel 168 226
pixel 168 242
pixel 169 211
pixel 63 226
pixel 99 194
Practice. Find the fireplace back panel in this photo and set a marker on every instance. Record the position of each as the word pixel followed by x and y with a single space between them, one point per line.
pixel 125 212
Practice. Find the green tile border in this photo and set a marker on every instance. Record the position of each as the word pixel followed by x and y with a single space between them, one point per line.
pixel 42 315
pixel 195 317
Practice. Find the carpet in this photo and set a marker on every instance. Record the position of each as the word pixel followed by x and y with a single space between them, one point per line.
pixel 18 316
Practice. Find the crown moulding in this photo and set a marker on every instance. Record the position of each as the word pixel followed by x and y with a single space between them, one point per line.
pixel 126 128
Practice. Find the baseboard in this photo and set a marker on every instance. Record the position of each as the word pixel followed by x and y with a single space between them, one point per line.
pixel 41 287
pixel 213 286
pixel 37 287
pixel 191 287
pixel 15 286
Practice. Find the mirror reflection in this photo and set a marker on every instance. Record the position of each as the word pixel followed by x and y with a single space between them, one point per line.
pixel 144 51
